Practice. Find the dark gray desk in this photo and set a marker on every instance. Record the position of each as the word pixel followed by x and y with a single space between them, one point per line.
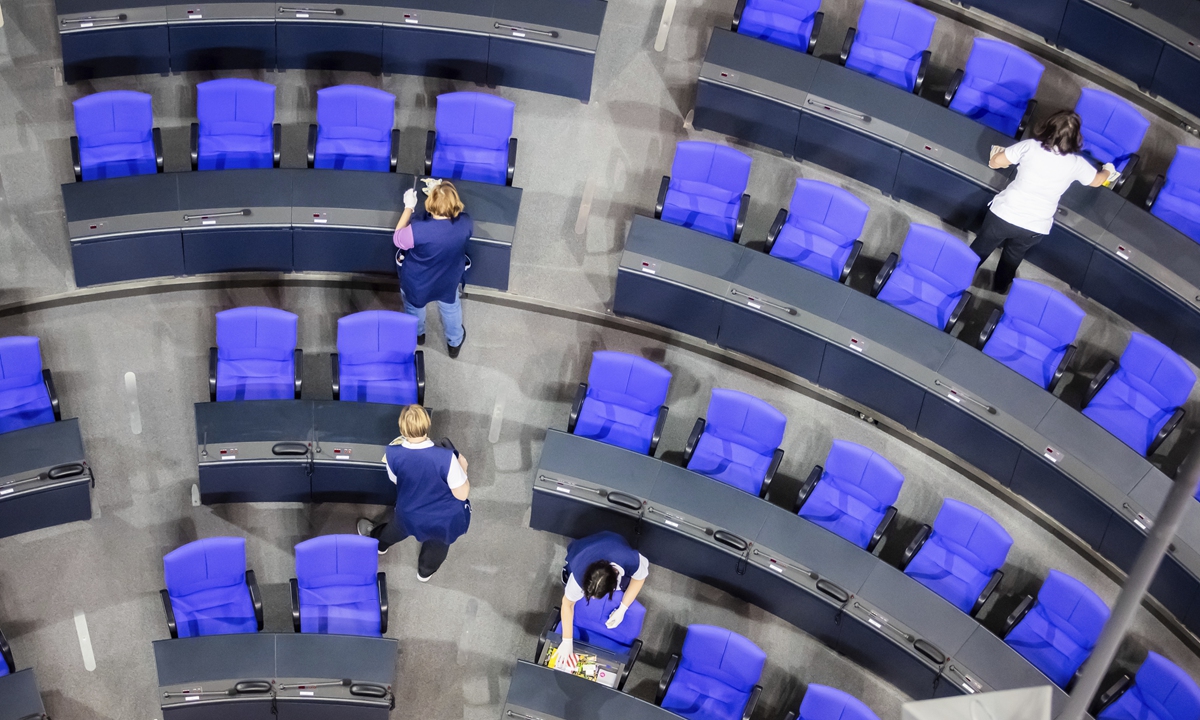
pixel 198 677
pixel 848 598
pixel 294 451
pixel 29 498
pixel 945 390
pixel 19 696
pixel 542 692
pixel 265 220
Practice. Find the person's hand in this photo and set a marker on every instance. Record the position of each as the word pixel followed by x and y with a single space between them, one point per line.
pixel 410 199
pixel 566 660
pixel 615 618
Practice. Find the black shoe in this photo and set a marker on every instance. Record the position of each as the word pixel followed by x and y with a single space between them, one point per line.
pixel 455 348
pixel 421 339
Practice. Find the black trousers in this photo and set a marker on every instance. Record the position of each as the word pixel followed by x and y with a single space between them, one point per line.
pixel 433 552
pixel 1015 241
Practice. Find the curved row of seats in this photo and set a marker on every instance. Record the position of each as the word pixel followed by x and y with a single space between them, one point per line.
pixel 355 130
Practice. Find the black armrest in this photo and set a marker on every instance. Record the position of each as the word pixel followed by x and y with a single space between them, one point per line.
pixel 665 681
pixel 921 69
pixel 752 702
pixel 430 145
pixel 952 89
pixel 576 406
pixel 255 598
pixel 337 376
pixel 987 592
pixel 697 431
pixel 512 161
pixel 737 15
pixel 1155 189
pixel 988 327
pixel 1167 429
pixel 814 476
pixel 1017 616
pixel 381 583
pixel 662 196
pixel 1026 118
pixel 195 146
pixel 172 627
pixel 76 163
pixel 312 145
pixel 1130 169
pixel 635 651
pixel 773 468
pixel 49 383
pixel 846 45
pixel 156 140
pixel 881 530
pixel 659 425
pixel 1110 696
pixel 1068 356
pixel 885 272
pixel 419 369
pixel 818 21
pixel 276 144
pixel 394 155
pixel 295 605
pixel 915 546
pixel 855 251
pixel 1097 382
pixel 957 312
pixel 6 654
pixel 551 623
pixel 776 228
pixel 212 374
pixel 741 218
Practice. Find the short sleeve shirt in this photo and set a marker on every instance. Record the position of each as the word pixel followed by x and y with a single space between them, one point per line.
pixel 1031 199
pixel 574 592
pixel 456 476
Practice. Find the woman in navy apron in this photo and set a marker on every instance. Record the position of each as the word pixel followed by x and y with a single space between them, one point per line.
pixel 431 258
pixel 431 494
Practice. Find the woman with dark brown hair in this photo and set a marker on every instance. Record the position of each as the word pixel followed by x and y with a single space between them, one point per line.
pixel 1024 211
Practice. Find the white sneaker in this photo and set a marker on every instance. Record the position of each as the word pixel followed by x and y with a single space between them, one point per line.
pixel 364 527
pixel 422 579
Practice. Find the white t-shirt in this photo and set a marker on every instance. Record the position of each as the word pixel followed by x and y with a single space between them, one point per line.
pixel 455 476
pixel 574 592
pixel 1031 200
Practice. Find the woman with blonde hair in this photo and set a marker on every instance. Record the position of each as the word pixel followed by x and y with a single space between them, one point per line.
pixel 432 257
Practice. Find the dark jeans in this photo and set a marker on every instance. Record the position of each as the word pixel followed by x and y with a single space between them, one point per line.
pixel 1016 241
pixel 433 552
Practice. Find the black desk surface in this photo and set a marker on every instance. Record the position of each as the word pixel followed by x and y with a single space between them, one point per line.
pixel 282 420
pixel 269 656
pixel 40 447
pixel 355 422
pixel 549 693
pixel 19 696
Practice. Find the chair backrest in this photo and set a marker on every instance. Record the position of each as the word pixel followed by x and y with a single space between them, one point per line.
pixel 113 117
pixel 255 333
pixel 1166 379
pixel 355 112
pixel 896 26
pixel 628 380
pixel 822 702
pixel 797 9
pixel 831 207
pixel 1164 689
pixel 941 255
pixel 20 362
pixel 337 560
pixel 745 420
pixel 711 164
pixel 1003 71
pixel 1183 177
pixel 591 615
pixel 722 655
pixel 972 535
pixel 1112 128
pixel 474 118
pixel 376 336
pixel 1043 312
pixel 851 464
pixel 235 106
pixel 206 564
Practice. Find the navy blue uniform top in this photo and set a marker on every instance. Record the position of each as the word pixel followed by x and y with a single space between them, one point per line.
pixel 425 506
pixel 603 546
pixel 433 268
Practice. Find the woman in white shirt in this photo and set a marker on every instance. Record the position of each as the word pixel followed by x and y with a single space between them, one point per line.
pixel 1024 211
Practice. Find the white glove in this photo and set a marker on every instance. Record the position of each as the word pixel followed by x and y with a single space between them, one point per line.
pixel 410 199
pixel 615 618
pixel 565 660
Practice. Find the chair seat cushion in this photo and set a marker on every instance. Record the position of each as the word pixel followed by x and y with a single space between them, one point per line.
pixel 23 407
pixel 702 207
pixel 255 379
pixel 839 511
pixel 217 611
pixel 232 152
pixel 729 463
pixel 919 293
pixel 776 27
pixel 470 163
pixel 391 383
pixel 947 574
pixel 117 160
pixel 823 253
pixel 985 107
pixel 353 154
pixel 1048 647
pixel 1180 213
pixel 340 610
pixel 1024 353
pixel 616 425
pixel 698 697
pixel 884 63
pixel 1127 413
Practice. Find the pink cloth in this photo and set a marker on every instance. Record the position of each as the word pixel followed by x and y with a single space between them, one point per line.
pixel 403 238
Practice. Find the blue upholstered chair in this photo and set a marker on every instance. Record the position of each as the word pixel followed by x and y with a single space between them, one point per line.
pixel 590 629
pixel 793 24
pixel 377 359
pixel 930 277
pixel 1140 397
pixel 819 230
pixel 8 665
pixel 1161 690
pixel 1058 631
pixel 237 127
pixel 997 86
pixel 622 402
pixel 706 189
pixel 960 558
pixel 739 445
pixel 256 356
pixel 338 589
pixel 853 495
pixel 473 140
pixel 1034 333
pixel 1112 129
pixel 354 130
pixel 891 43
pixel 115 136
pixel 714 678
pixel 822 702
pixel 1175 199
pixel 27 396
pixel 209 590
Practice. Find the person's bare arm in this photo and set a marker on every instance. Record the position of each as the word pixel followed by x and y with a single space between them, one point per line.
pixel 631 593
pixel 999 160
pixel 1101 176
pixel 462 491
pixel 405 217
pixel 567 616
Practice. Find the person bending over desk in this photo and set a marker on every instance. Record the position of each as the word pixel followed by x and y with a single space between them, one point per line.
pixel 1024 211
pixel 597 566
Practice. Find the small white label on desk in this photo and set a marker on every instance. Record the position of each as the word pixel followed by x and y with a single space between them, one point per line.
pixel 858 345
pixel 320 220
pixel 873 622
pixel 671 523
pixel 307 693
pixel 968 688
pixel 1052 455
pixel 562 489
pixel 518 34
pixel 208 222
pixel 954 396
pixel 195 16
pixel 777 569
pixel 1122 252
pixel 9 491
pixel 754 305
pixel 301 15
pixel 411 19
pixel 85 24
pixel 190 698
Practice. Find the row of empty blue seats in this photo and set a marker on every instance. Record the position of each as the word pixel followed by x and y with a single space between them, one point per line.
pixel 355 130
